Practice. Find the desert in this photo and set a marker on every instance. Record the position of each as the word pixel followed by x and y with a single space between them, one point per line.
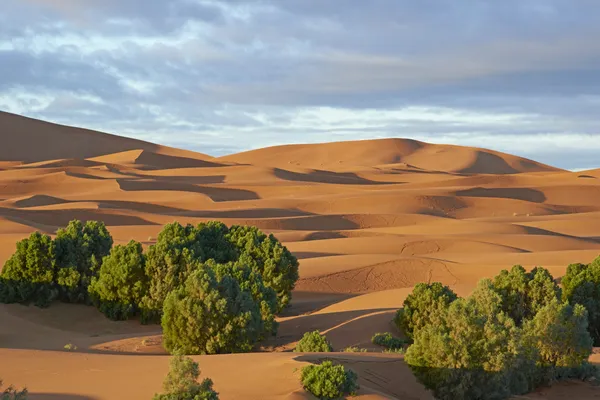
pixel 367 221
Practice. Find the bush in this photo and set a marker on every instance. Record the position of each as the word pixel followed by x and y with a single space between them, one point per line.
pixel 524 294
pixel 388 341
pixel 80 249
pixel 328 381
pixel 423 306
pixel 10 393
pixel 209 316
pixel 181 382
pixel 581 285
pixel 121 283
pixel 354 349
pixel 267 256
pixel 252 282
pixel 559 333
pixel 313 342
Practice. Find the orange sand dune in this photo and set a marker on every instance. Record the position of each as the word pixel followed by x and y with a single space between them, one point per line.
pixel 367 220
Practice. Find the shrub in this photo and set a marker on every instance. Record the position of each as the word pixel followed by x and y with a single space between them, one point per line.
pixel 10 393
pixel 581 285
pixel 423 306
pixel 354 349
pixel 473 352
pixel 70 347
pixel 329 381
pixel 313 342
pixel 388 341
pixel 181 382
pixel 80 249
pixel 121 283
pixel 524 294
pixel 252 282
pixel 28 274
pixel 267 256
pixel 559 333
pixel 209 316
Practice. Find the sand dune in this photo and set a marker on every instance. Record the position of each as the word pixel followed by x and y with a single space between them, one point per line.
pixel 368 220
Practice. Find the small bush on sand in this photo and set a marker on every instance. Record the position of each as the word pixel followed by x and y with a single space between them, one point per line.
pixel 329 381
pixel 354 349
pixel 182 383
pixel 10 393
pixel 313 342
pixel 387 340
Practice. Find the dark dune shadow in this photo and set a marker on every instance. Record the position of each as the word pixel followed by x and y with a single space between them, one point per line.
pixel 328 177
pixel 487 163
pixel 59 396
pixel 324 236
pixel 524 194
pixel 305 302
pixel 62 217
pixel 216 194
pixel 303 255
pixel 539 231
pixel 587 176
pixel 150 160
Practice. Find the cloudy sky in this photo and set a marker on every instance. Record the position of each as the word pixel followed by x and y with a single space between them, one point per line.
pixel 521 76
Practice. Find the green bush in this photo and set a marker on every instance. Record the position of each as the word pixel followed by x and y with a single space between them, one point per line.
pixel 354 349
pixel 329 381
pixel 525 293
pixel 581 285
pixel 388 341
pixel 252 282
pixel 181 382
pixel 208 316
pixel 313 342
pixel 10 393
pixel 267 256
pixel 80 249
pixel 121 283
pixel 423 306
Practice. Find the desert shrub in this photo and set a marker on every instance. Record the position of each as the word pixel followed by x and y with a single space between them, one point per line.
pixel 474 351
pixel 387 340
pixel 207 315
pixel 80 249
pixel 182 383
pixel 581 285
pixel 559 333
pixel 354 349
pixel 251 282
pixel 423 306
pixel 525 293
pixel 313 342
pixel 10 393
pixel 267 256
pixel 329 381
pixel 28 275
pixel 121 283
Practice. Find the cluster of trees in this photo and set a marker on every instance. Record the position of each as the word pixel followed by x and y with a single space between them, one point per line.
pixel 215 289
pixel 512 334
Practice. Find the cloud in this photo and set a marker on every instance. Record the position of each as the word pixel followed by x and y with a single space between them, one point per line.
pixel 520 75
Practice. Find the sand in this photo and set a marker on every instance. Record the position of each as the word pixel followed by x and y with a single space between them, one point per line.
pixel 368 220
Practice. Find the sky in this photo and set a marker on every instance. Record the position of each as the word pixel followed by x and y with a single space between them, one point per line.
pixel 520 76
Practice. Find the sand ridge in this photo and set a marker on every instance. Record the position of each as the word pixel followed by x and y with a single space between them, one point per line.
pixel 367 220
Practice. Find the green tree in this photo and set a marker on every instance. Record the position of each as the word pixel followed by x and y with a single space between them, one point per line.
pixel 210 316
pixel 80 249
pixel 121 283
pixel 313 342
pixel 423 306
pixel 181 382
pixel 581 285
pixel 28 274
pixel 267 256
pixel 329 381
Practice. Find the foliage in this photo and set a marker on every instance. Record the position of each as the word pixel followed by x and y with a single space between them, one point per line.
pixel 525 293
pixel 251 282
pixel 121 283
pixel 10 393
pixel 313 342
pixel 559 333
pixel 181 382
pixel 268 257
pixel 208 316
pixel 70 347
pixel 581 285
pixel 354 349
pixel 80 249
pixel 329 381
pixel 423 306
pixel 388 341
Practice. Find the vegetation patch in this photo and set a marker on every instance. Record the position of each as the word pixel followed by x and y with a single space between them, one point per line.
pixel 329 381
